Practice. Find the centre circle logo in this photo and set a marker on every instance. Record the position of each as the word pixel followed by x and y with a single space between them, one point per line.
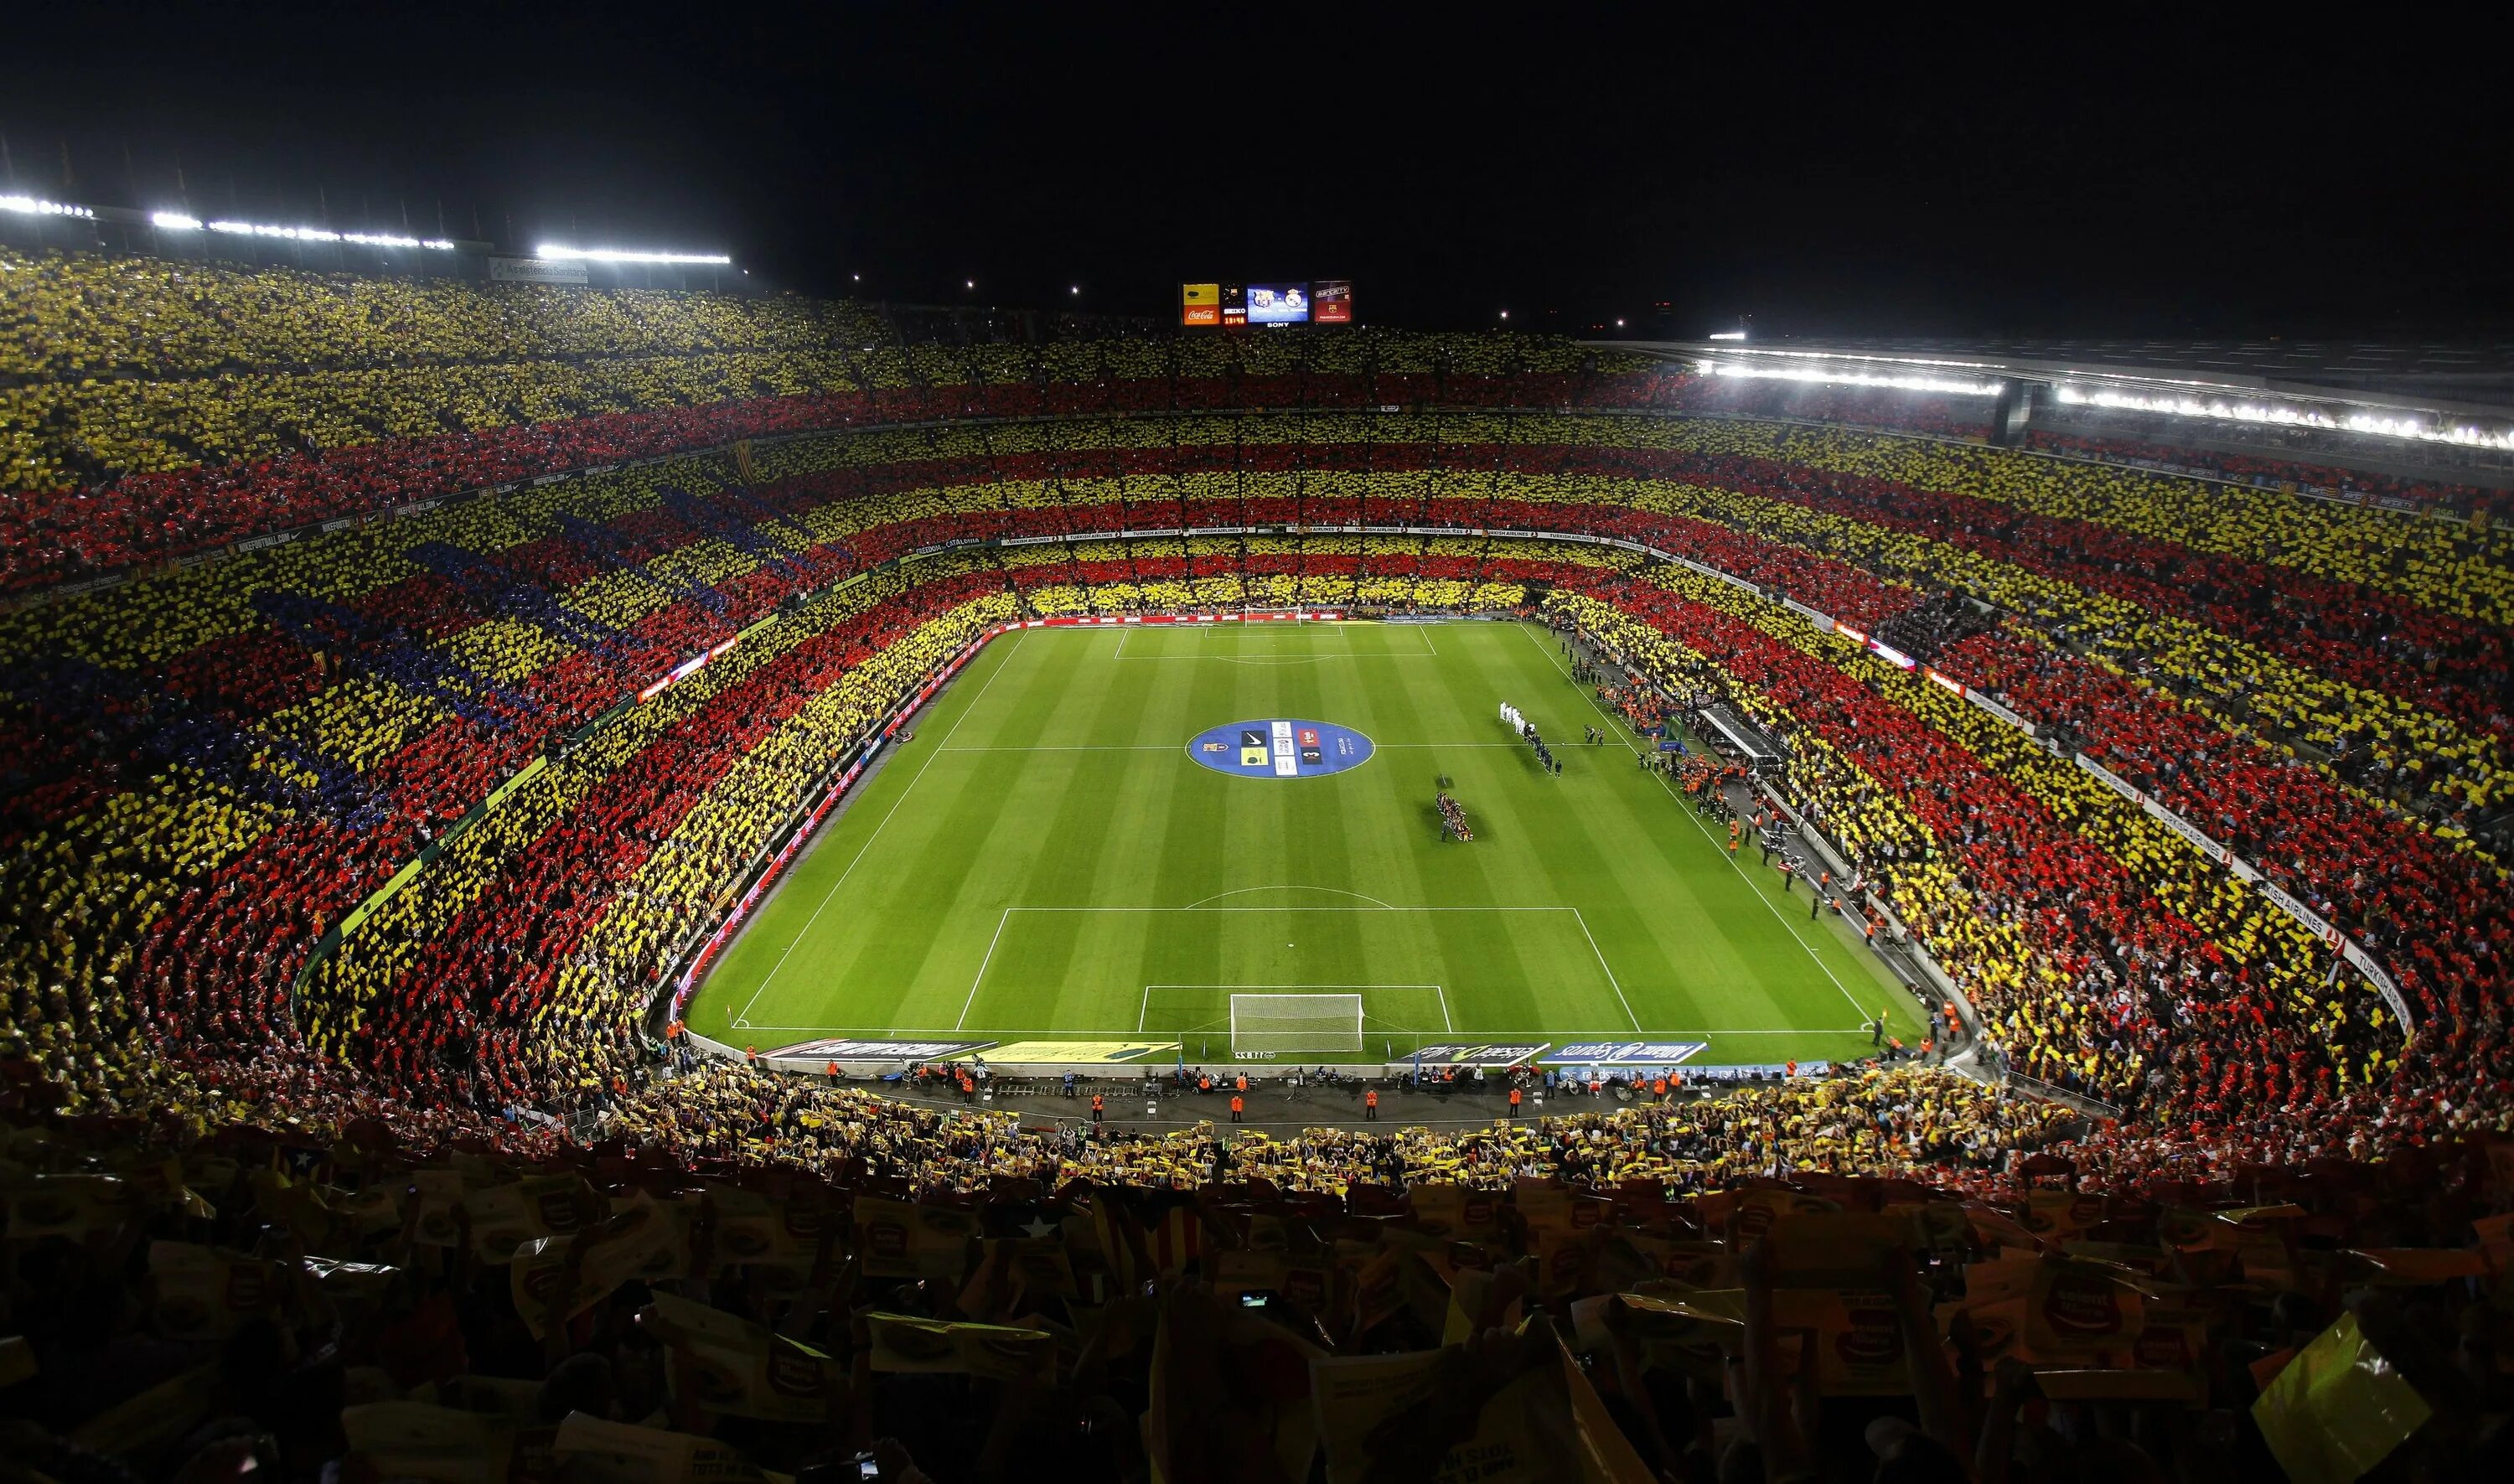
pixel 1279 748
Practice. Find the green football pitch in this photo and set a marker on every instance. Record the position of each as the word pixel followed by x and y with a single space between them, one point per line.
pixel 1048 858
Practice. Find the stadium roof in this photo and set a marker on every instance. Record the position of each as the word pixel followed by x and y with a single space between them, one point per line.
pixel 2458 380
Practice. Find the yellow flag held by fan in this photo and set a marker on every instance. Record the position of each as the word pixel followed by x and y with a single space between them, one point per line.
pixel 2338 1408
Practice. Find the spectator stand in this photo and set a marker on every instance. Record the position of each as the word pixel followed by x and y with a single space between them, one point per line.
pixel 1898 949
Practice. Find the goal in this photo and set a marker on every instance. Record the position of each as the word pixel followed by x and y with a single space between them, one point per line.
pixel 1262 1025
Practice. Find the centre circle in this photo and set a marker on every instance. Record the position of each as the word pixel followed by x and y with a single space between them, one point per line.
pixel 1278 747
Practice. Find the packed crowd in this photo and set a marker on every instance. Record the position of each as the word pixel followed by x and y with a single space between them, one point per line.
pixel 409 822
pixel 2404 891
pixel 533 624
pixel 748 1278
pixel 2357 484
pixel 2098 957
pixel 151 409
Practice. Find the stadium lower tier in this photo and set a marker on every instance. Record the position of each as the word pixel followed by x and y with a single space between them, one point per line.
pixel 513 961
pixel 755 1277
pixel 528 740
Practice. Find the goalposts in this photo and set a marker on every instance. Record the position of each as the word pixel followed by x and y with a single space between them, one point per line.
pixel 1295 1023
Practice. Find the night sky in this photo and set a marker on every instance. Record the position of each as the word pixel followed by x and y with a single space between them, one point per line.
pixel 2115 173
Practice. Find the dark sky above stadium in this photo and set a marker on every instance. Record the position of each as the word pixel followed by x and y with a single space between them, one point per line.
pixel 2093 172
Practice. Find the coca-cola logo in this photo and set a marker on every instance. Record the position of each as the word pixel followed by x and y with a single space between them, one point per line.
pixel 1477 1211
pixel 887 1240
pixel 792 1375
pixel 248 1287
pixel 558 1212
pixel 714 1383
pixel 2082 1305
pixel 1873 1338
pixel 1996 1334
pixel 2163 1349
pixel 1017 1348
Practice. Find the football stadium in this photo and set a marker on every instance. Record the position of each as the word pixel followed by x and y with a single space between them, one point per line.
pixel 647 862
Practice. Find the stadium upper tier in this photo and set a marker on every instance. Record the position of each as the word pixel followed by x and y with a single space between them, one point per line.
pixel 150 409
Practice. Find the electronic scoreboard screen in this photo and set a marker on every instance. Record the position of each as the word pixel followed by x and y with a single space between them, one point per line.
pixel 1278 304
pixel 1319 301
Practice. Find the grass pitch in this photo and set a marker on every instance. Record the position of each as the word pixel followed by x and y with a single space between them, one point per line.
pixel 1046 859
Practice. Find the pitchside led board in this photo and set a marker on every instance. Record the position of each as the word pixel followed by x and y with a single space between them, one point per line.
pixel 1319 301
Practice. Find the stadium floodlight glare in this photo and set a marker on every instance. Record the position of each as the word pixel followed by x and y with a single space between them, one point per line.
pixel 37 206
pixel 1842 377
pixel 1728 335
pixel 2287 415
pixel 315 235
pixel 174 222
pixel 1853 358
pixel 619 254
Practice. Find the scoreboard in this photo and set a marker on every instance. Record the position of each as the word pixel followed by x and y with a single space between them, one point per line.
pixel 1316 301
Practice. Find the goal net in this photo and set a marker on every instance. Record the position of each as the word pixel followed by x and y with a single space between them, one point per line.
pixel 1295 1023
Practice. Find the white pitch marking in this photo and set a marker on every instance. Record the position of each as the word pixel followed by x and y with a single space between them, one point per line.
pixel 1618 725
pixel 898 1033
pixel 1000 919
pixel 823 904
pixel 1245 890
pixel 1612 980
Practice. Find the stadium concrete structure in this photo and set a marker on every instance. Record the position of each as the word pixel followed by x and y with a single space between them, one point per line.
pixel 598 774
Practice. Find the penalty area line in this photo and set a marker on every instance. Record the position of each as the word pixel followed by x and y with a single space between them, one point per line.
pixel 1612 982
pixel 1006 916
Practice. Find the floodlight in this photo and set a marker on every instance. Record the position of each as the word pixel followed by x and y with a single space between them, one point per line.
pixel 2289 414
pixel 1834 378
pixel 305 233
pixel 37 206
pixel 619 254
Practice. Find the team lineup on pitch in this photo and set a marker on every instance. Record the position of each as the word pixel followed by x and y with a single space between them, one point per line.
pixel 1133 841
